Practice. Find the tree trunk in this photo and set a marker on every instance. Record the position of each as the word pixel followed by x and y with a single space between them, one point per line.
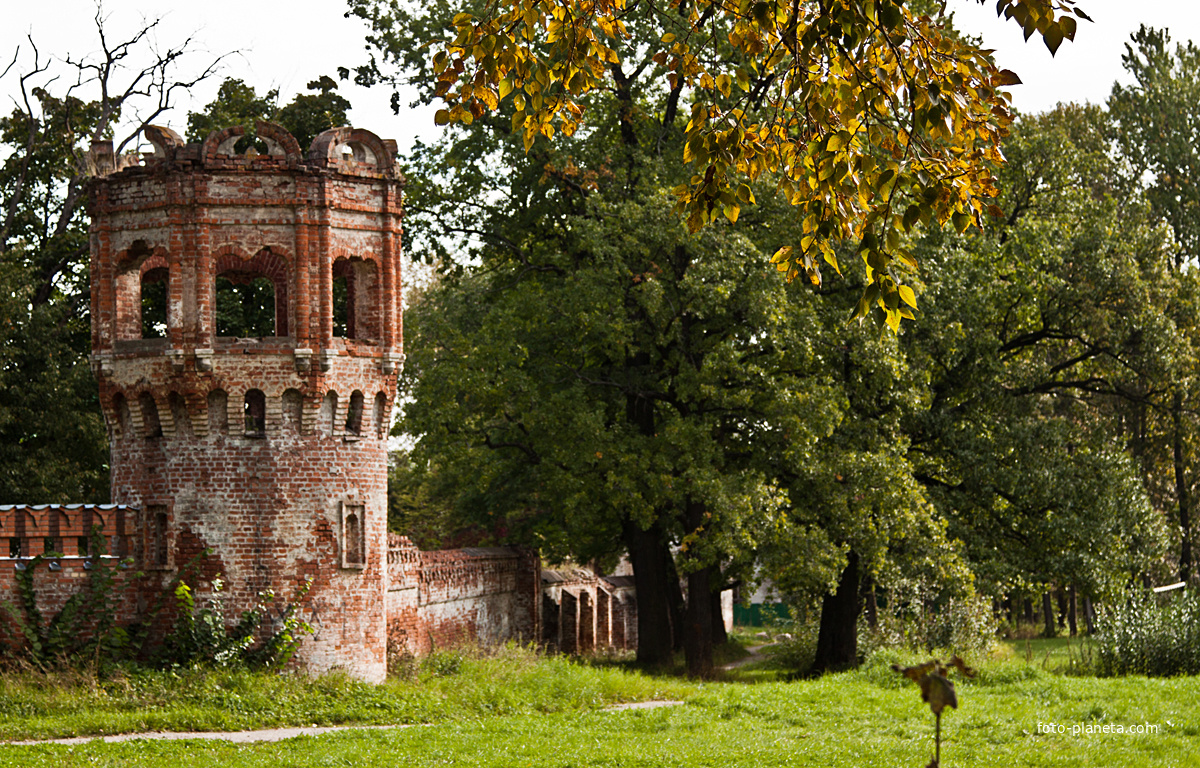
pixel 675 601
pixel 650 580
pixel 1089 615
pixel 1072 617
pixel 698 634
pixel 1182 494
pixel 1048 615
pixel 837 638
pixel 719 635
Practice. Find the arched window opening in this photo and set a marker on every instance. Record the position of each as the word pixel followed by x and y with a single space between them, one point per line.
pixel 129 286
pixel 381 417
pixel 121 414
pixel 354 414
pixel 179 415
pixel 328 415
pixel 354 547
pixel 218 412
pixel 154 303
pixel 255 410
pixel 156 550
pixel 251 295
pixel 341 308
pixel 151 426
pixel 356 304
pixel 293 411
pixel 245 305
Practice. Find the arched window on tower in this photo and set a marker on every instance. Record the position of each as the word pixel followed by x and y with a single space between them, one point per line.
pixel 255 410
pixel 293 411
pixel 140 293
pixel 154 303
pixel 328 414
pixel 354 414
pixel 381 417
pixel 251 296
pixel 151 425
pixel 356 304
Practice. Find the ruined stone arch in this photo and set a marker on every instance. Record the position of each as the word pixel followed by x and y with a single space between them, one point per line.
pixel 120 419
pixel 239 268
pixel 352 149
pixel 150 416
pixel 220 147
pixel 381 416
pixel 137 266
pixel 358 304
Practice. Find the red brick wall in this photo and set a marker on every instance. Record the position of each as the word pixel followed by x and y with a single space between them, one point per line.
pixel 300 500
pixel 450 597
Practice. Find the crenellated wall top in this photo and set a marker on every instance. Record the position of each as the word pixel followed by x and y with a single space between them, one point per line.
pixel 347 151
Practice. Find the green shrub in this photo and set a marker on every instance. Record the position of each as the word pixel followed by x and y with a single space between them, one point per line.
pixel 207 637
pixel 1149 635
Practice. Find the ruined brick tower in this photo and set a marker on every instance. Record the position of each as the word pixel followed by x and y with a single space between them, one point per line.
pixel 269 449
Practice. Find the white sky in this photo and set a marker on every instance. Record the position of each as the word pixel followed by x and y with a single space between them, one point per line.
pixel 284 45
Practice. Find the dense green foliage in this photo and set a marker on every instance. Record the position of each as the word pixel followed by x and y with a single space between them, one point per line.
pixel 1147 634
pixel 587 374
pixel 305 116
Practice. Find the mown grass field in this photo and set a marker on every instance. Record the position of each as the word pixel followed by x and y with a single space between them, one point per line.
pixel 517 709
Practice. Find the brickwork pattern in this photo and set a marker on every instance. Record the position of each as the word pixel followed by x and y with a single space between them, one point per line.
pixel 267 453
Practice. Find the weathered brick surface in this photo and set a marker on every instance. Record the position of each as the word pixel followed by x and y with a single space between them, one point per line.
pixel 270 453
pixel 263 461
pixel 449 597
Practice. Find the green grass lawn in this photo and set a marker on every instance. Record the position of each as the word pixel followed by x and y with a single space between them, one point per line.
pixel 516 709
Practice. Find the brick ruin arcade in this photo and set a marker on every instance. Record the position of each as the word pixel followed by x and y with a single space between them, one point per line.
pixel 270 452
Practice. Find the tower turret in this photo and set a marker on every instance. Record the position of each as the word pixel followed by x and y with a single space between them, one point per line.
pixel 246 334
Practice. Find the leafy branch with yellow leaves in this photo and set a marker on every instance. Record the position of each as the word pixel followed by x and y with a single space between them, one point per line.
pixel 870 119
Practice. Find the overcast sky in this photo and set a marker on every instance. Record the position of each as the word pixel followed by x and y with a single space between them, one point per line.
pixel 284 45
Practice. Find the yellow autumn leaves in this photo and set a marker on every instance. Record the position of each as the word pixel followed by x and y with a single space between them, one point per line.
pixel 868 119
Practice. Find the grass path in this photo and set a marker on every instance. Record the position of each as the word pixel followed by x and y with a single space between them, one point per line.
pixel 866 718
pixel 514 709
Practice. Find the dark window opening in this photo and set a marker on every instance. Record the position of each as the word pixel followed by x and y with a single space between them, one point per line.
pixel 150 421
pixel 355 299
pixel 354 414
pixel 256 413
pixel 341 308
pixel 82 545
pixel 154 303
pixel 50 544
pixel 14 547
pixel 380 417
pixel 245 305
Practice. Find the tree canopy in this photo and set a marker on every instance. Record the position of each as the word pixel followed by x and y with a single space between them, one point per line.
pixel 869 117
